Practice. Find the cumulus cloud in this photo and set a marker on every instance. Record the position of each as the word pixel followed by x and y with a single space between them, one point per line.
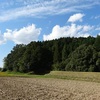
pixel 87 28
pixel 76 17
pixel 23 36
pixel 72 30
pixel 2 40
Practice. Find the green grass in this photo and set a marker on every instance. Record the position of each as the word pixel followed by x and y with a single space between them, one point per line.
pixel 81 76
pixel 8 74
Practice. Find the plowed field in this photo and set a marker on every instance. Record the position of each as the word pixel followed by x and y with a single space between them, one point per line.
pixel 16 88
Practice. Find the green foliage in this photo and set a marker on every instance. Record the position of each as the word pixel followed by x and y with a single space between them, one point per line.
pixel 56 57
pixel 83 59
pixel 59 66
pixel 64 53
pixel 97 43
pixel 73 54
pixel 91 68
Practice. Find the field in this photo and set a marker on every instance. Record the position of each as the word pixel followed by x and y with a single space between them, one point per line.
pixel 53 86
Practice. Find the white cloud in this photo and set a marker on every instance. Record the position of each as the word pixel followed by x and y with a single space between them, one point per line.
pixel 69 31
pixel 98 28
pixel 2 40
pixel 40 8
pixel 87 28
pixel 25 35
pixel 76 17
pixel 97 17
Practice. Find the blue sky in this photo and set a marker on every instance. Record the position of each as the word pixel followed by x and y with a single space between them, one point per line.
pixel 23 21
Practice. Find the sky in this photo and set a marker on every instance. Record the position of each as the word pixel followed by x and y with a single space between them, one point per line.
pixel 23 21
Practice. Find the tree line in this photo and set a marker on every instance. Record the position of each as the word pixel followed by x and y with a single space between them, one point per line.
pixel 64 54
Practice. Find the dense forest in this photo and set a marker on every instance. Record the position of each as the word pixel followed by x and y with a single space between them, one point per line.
pixel 64 54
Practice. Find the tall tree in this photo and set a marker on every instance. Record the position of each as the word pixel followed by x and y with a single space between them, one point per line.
pixel 56 57
pixel 64 52
pixel 82 59
pixel 97 43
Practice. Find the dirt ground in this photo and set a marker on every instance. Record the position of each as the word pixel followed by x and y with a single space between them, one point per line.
pixel 15 88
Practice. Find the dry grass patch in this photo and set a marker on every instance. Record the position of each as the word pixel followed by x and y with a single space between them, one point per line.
pixel 83 76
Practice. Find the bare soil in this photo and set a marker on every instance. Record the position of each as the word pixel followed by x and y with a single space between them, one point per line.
pixel 15 88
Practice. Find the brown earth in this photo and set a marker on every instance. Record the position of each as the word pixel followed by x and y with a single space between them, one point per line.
pixel 15 88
